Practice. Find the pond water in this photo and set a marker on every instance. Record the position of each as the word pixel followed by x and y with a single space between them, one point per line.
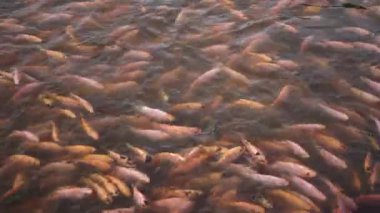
pixel 178 106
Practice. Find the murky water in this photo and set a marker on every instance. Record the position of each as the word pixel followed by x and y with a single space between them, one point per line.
pixel 189 106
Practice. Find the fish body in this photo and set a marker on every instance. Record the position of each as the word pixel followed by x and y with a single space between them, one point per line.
pixel 71 193
pixel 130 175
pixel 307 188
pixel 283 167
pixel 255 153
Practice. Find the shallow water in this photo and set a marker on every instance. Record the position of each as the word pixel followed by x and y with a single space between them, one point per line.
pixel 261 70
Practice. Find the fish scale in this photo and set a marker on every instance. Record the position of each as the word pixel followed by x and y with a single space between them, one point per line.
pixel 115 101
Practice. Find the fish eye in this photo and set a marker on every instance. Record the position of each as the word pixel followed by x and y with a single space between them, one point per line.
pixel 226 175
pixel 148 159
pixel 256 197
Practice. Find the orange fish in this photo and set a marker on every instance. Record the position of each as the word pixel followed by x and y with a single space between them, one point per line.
pixel 88 129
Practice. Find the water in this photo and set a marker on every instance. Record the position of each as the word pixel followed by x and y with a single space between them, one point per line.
pixel 265 71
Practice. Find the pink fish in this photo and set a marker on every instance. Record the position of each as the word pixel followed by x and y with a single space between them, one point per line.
pixel 71 193
pixel 173 204
pixel 138 197
pixel 177 131
pixel 291 168
pixel 332 160
pixel 373 84
pixel 306 188
pixel 82 80
pixel 28 91
pixel 204 78
pixel 333 112
pixel 151 134
pixel 130 175
pixel 155 114
pixel 25 136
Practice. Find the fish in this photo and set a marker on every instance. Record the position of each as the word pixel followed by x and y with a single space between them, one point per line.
pixel 120 210
pixel 18 162
pixel 268 180
pixel 139 154
pixel 216 50
pixel 364 96
pixel 241 206
pixel 54 55
pixel 122 187
pixel 138 55
pixel 186 107
pixel 138 197
pixel 167 87
pixel 24 136
pixel 306 126
pixel 90 131
pixel 44 148
pixel 98 157
pixel 236 76
pixel 191 163
pixel 174 204
pixel 330 143
pixel 306 188
pixel 283 167
pixel 287 199
pixel 368 199
pixel 155 114
pixel 54 132
pixel 79 82
pixel 95 164
pixel 105 183
pixel 177 131
pixel 167 157
pixel 151 134
pixel 79 150
pixel 70 192
pixel 19 181
pixel 332 160
pixel 283 95
pixel 100 192
pixel 63 100
pixel 253 177
pixel 84 103
pixel 168 192
pixel 295 148
pixel 255 154
pixel 57 167
pixel 68 113
pixel 54 181
pixel 16 76
pixel 27 38
pixel 230 155
pixel 130 175
pixel 333 112
pixel 27 91
pixel 248 104
pixel 119 159
pixel 368 162
pixel 204 78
